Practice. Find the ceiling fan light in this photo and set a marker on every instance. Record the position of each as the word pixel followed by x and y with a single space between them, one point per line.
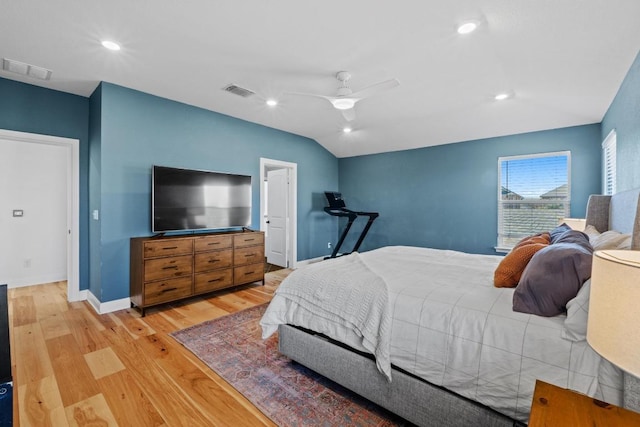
pixel 467 27
pixel 272 102
pixel 343 103
pixel 347 129
pixel 501 96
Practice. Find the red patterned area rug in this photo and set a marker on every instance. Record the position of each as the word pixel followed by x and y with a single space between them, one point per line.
pixel 286 392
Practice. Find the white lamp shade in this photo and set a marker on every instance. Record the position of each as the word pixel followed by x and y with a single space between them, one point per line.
pixel 613 328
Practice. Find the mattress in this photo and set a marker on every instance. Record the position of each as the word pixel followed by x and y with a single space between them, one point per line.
pixel 450 326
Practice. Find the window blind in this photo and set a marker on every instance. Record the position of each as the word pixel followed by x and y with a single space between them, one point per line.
pixel 534 195
pixel 609 163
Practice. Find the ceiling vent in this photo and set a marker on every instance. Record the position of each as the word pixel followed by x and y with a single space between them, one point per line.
pixel 26 69
pixel 240 91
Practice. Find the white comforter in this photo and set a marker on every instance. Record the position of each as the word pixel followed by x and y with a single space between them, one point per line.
pixel 452 327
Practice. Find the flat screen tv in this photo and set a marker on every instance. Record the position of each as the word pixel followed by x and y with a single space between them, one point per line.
pixel 186 199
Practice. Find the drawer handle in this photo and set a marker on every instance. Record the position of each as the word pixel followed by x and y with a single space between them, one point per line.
pixel 213 260
pixel 249 240
pixel 249 255
pixel 215 280
pixel 170 267
pixel 169 247
pixel 213 243
pixel 168 290
pixel 249 272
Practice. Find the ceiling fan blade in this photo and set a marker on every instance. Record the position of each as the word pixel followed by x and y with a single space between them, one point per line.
pixel 373 89
pixel 349 115
pixel 315 95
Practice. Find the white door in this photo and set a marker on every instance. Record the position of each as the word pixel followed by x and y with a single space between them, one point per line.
pixel 277 216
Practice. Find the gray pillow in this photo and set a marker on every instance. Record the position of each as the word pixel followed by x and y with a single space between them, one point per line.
pixel 554 275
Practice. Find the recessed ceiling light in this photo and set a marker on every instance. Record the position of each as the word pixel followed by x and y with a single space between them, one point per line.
pixel 272 102
pixel 501 96
pixel 110 45
pixel 347 129
pixel 467 27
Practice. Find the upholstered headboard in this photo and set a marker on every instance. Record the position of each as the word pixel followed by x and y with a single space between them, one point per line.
pixel 620 212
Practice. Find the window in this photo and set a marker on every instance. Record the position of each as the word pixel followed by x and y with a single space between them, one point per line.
pixel 534 195
pixel 609 164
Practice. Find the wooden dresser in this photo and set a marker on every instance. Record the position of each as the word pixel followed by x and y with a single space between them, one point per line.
pixel 170 268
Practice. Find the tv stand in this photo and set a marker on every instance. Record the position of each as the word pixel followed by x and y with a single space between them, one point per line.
pixel 171 268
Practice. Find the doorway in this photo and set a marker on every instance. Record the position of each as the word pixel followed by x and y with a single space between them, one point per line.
pixel 72 151
pixel 280 226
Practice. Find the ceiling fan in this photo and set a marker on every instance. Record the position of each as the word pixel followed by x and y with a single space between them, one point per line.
pixel 345 99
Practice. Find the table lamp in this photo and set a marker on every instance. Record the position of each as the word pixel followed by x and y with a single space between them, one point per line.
pixel 613 328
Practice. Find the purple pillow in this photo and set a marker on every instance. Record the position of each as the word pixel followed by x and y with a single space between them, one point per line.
pixel 554 275
pixel 557 232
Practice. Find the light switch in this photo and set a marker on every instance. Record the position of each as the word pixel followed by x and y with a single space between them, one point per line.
pixel 18 213
pixel 96 214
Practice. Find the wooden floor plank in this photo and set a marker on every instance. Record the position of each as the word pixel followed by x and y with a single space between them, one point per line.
pixel 85 330
pixel 199 386
pixel 23 309
pixel 168 400
pixel 32 358
pixel 75 367
pixel 93 411
pixel 129 404
pixel 41 404
pixel 73 375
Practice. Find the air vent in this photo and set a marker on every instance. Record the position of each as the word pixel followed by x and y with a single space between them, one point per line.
pixel 237 90
pixel 25 69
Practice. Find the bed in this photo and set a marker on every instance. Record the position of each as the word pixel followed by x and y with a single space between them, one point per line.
pixel 437 343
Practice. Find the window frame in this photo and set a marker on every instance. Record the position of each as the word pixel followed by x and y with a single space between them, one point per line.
pixel 501 246
pixel 609 163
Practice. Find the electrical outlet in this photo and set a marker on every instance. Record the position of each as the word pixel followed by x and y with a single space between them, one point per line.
pixel 328 245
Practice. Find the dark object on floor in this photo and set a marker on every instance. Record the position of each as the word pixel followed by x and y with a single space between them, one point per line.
pixel 6 382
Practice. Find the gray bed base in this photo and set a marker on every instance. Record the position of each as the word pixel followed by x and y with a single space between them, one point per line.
pixel 411 398
pixel 423 403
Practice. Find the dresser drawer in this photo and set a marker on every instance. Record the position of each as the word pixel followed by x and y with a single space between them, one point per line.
pixel 249 255
pixel 167 290
pixel 167 248
pixel 212 260
pixel 248 239
pixel 208 243
pixel 248 273
pixel 169 267
pixel 219 279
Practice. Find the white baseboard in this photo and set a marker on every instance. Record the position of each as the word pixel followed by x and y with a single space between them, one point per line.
pixel 21 282
pixel 109 306
pixel 302 263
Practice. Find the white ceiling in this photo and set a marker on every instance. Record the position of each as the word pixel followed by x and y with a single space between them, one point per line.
pixel 563 60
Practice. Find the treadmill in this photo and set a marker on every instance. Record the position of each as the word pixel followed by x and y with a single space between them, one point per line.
pixel 337 207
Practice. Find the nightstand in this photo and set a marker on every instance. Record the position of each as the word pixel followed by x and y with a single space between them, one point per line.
pixel 555 406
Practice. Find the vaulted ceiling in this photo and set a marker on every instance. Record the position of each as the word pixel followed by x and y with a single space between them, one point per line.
pixel 560 62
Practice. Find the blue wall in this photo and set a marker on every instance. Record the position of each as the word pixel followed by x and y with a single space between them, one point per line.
pixel 28 108
pixel 446 196
pixel 138 130
pixel 624 116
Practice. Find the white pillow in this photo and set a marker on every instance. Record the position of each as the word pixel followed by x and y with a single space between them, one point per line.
pixel 608 240
pixel 575 325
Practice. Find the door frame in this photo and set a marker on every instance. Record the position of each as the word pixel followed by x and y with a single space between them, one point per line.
pixel 292 224
pixel 73 202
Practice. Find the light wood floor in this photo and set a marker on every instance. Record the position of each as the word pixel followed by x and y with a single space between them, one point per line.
pixel 73 367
